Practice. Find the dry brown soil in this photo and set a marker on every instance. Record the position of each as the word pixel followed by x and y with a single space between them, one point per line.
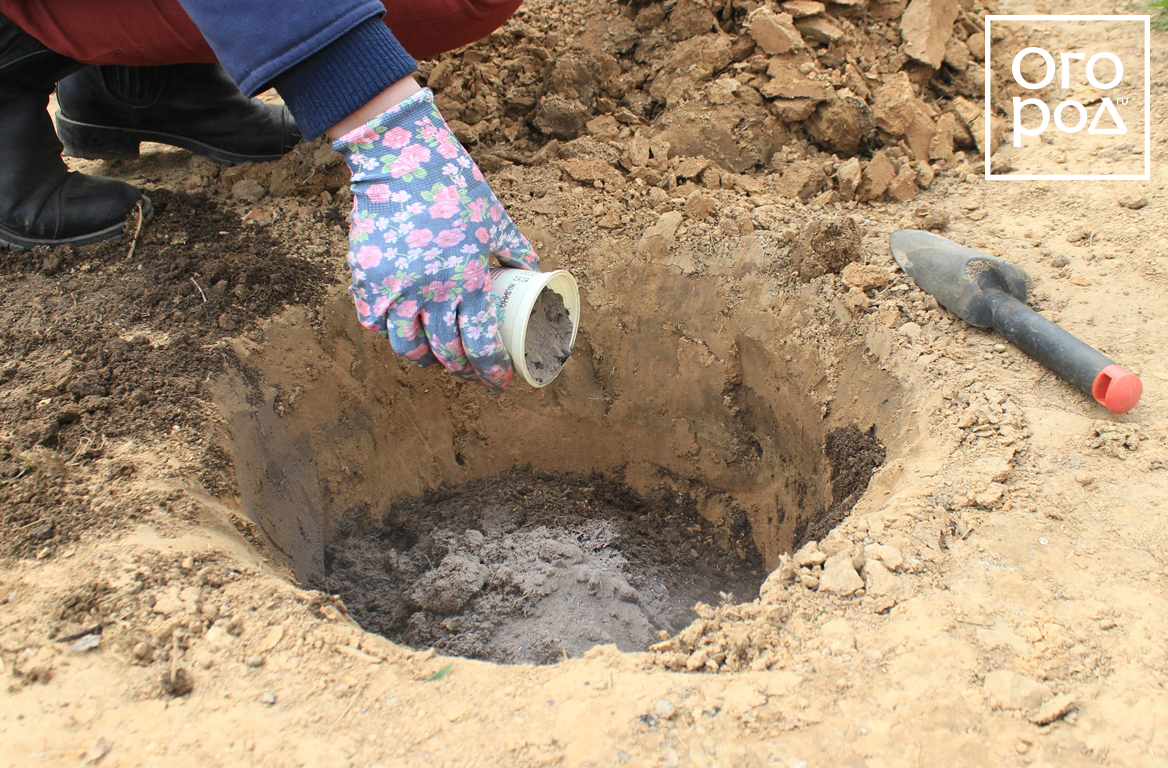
pixel 779 508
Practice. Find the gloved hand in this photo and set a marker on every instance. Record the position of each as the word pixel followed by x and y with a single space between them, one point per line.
pixel 423 228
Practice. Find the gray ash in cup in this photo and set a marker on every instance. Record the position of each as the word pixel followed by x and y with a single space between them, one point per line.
pixel 549 337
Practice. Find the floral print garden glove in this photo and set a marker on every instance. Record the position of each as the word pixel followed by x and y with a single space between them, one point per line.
pixel 423 228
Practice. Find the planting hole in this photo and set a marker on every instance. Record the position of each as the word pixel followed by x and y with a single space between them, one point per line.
pixel 672 462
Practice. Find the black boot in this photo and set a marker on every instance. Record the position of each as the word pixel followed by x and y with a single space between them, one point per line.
pixel 41 201
pixel 107 111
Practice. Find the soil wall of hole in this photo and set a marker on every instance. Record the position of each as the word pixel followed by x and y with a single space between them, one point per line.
pixel 721 389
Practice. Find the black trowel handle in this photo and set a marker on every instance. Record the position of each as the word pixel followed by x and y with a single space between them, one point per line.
pixel 1076 362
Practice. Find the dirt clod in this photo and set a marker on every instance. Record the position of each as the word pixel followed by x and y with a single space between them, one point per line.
pixel 826 245
pixel 865 277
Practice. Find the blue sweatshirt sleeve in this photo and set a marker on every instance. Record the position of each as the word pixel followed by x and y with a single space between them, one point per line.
pixel 325 59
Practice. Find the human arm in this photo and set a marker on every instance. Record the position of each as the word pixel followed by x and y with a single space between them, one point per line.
pixel 424 222
pixel 327 60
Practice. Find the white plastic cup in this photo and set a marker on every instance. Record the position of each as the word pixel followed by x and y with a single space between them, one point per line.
pixel 515 292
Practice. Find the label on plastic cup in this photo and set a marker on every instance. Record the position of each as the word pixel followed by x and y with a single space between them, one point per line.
pixel 515 292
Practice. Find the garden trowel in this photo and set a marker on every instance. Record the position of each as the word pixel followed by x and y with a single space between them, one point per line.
pixel 989 292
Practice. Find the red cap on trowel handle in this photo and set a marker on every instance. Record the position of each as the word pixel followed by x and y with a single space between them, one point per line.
pixel 1117 389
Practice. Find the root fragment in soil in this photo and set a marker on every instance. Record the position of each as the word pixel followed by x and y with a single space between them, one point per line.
pixel 535 568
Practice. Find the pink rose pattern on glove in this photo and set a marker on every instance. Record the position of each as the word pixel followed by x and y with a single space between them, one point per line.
pixel 423 228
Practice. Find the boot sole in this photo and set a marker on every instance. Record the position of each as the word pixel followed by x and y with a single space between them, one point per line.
pixel 15 242
pixel 101 142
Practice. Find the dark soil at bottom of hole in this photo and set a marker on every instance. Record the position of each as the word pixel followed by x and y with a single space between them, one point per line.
pixel 534 568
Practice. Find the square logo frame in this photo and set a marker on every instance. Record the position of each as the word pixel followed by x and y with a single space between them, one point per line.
pixel 1146 175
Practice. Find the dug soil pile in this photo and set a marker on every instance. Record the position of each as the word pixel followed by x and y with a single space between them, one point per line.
pixel 851 101
pixel 105 346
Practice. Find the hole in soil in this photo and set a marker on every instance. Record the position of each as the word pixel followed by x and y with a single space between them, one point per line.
pixel 676 457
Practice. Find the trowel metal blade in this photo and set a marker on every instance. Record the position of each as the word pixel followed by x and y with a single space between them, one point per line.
pixel 956 276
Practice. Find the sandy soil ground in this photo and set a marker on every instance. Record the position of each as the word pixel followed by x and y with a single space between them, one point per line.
pixel 191 418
